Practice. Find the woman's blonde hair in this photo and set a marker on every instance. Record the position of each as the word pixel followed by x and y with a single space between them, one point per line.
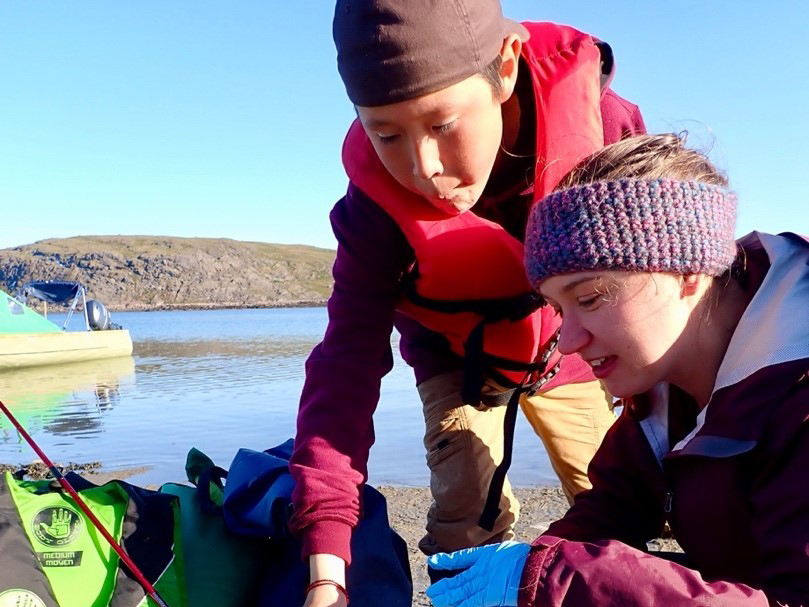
pixel 646 157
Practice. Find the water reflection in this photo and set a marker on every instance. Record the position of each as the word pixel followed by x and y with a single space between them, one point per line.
pixel 218 380
pixel 226 348
pixel 63 399
pixel 183 368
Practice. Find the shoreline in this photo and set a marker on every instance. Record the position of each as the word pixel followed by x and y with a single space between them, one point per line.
pixel 225 306
pixel 163 307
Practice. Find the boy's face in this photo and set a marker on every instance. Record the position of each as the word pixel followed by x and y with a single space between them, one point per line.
pixel 441 146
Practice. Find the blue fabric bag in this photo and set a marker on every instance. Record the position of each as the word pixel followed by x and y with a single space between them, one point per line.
pixel 258 502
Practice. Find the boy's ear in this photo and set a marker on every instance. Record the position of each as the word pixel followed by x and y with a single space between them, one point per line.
pixel 509 64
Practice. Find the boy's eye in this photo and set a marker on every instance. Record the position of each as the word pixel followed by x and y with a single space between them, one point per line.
pixel 386 138
pixel 442 129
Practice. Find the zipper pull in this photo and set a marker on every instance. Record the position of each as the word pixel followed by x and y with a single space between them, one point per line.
pixel 667 504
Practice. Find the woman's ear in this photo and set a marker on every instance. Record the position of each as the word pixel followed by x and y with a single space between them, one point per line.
pixel 509 64
pixel 691 285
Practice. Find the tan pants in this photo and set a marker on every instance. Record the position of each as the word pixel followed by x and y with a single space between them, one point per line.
pixel 465 445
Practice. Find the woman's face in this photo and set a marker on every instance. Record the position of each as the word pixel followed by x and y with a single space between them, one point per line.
pixel 442 146
pixel 626 325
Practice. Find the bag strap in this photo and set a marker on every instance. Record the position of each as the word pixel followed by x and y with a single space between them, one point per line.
pixel 207 477
pixel 209 489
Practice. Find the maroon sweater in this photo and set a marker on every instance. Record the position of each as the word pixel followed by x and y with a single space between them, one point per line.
pixel 343 374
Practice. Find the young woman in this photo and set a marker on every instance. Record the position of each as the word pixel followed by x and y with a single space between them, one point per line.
pixel 706 340
pixel 464 120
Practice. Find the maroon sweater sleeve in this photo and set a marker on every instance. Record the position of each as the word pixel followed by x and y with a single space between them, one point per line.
pixel 343 376
pixel 578 574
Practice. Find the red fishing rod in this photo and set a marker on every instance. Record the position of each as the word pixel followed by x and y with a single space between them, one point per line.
pixel 150 590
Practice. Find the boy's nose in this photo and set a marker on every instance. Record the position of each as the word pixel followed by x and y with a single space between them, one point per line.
pixel 425 159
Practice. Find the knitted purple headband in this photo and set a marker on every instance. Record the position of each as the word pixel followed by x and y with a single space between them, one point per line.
pixel 647 225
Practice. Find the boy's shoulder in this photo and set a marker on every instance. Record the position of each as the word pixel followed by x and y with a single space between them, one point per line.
pixel 621 118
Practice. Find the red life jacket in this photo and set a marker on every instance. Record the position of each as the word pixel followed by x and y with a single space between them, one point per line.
pixel 468 281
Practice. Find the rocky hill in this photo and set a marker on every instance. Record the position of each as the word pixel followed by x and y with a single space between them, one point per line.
pixel 155 272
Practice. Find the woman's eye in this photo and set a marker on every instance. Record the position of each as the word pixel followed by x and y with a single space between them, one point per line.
pixel 589 301
pixel 442 129
pixel 385 139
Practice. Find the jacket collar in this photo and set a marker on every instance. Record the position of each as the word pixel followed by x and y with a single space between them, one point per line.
pixel 774 328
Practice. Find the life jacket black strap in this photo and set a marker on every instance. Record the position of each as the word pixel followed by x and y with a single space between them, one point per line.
pixel 491 509
pixel 508 364
pixel 496 399
pixel 492 310
pixel 476 362
pixel 478 365
pixel 473 366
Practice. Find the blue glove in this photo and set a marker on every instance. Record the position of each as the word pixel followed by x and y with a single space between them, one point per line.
pixel 491 579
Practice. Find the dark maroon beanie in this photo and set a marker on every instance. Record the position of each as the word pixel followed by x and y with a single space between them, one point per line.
pixel 393 50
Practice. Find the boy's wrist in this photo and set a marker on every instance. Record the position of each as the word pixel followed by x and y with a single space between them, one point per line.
pixel 324 566
pixel 337 589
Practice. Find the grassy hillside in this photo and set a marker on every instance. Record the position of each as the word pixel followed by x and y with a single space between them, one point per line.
pixel 150 272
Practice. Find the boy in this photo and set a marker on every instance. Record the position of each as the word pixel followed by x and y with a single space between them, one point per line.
pixel 458 109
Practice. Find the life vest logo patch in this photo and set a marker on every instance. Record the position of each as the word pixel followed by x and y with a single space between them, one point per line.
pixel 60 559
pixel 56 526
pixel 20 598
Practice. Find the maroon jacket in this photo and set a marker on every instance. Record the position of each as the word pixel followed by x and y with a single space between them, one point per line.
pixel 343 373
pixel 734 486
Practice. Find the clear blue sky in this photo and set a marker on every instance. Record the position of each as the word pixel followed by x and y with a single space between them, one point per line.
pixel 225 119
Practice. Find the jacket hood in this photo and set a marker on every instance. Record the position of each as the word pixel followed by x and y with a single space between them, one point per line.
pixel 774 328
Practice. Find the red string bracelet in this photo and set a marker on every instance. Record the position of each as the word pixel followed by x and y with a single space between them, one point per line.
pixel 340 588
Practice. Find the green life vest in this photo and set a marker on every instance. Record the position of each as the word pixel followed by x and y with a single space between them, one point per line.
pixel 51 555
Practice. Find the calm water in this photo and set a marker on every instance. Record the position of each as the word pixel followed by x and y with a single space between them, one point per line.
pixel 217 380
